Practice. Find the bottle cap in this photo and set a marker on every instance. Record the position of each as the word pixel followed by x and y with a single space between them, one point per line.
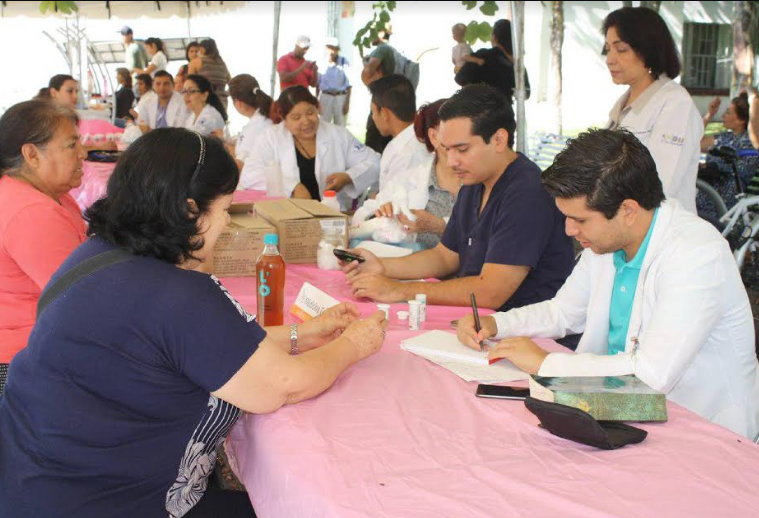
pixel 330 194
pixel 402 315
pixel 271 239
pixel 421 297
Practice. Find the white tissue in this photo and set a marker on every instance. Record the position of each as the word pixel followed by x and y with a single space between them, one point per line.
pixel 131 133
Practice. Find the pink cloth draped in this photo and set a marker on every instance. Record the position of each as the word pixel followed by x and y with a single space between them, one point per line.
pixel 399 436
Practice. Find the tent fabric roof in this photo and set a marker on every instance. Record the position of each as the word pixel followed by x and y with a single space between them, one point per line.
pixel 124 9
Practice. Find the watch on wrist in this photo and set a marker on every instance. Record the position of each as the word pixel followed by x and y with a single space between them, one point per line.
pixel 294 340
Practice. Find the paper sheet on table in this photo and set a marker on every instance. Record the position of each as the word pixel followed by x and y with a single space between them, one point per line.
pixel 383 250
pixel 444 349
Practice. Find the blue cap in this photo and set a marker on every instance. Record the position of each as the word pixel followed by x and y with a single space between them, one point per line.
pixel 271 239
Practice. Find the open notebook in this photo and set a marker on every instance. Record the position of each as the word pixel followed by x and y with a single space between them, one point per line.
pixel 445 350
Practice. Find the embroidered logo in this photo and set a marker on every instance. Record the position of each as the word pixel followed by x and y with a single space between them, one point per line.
pixel 672 140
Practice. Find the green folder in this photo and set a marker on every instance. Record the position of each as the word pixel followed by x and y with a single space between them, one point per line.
pixel 606 398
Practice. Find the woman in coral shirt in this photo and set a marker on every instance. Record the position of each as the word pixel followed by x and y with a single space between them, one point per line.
pixel 40 223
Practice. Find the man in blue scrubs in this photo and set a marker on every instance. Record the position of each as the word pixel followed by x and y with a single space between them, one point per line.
pixel 505 241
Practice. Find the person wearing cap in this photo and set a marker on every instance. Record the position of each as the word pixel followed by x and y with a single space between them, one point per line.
pixel 293 68
pixel 135 55
pixel 334 85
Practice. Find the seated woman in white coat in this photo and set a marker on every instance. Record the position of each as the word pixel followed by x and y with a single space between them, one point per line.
pixel 641 53
pixel 309 156
pixel 656 293
pixel 250 101
pixel 207 114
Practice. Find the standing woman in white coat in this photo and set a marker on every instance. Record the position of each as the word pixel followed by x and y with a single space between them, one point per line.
pixel 312 155
pixel 641 53
pixel 207 114
pixel 250 101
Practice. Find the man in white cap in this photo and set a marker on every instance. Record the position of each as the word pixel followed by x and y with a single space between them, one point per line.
pixel 293 68
pixel 335 98
pixel 135 55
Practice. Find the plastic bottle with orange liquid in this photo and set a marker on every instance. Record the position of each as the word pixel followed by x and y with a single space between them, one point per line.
pixel 270 284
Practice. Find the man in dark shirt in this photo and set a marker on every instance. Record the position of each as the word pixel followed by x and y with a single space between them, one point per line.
pixel 380 63
pixel 496 64
pixel 505 241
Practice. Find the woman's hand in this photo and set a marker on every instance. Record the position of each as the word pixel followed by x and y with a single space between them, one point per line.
pixel 336 181
pixel 327 326
pixel 385 211
pixel 713 108
pixel 367 335
pixel 425 222
pixel 300 192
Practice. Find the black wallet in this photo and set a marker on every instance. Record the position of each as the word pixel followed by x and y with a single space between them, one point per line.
pixel 574 424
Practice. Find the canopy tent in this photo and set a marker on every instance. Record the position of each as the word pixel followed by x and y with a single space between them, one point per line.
pixel 106 53
pixel 122 9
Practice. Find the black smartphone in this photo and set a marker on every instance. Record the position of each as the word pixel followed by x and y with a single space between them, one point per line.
pixel 347 256
pixel 498 392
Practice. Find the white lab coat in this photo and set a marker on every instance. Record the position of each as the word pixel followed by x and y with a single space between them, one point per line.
pixel 337 151
pixel 207 121
pixel 406 164
pixel 176 111
pixel 691 318
pixel 666 121
pixel 246 143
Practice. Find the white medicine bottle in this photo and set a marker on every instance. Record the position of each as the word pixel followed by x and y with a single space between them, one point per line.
pixel 330 200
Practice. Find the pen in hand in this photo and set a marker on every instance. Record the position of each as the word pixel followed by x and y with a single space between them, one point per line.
pixel 477 325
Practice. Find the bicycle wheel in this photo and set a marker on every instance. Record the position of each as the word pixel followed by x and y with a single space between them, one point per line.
pixel 715 200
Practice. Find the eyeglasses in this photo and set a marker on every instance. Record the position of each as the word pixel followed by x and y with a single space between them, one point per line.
pixel 192 91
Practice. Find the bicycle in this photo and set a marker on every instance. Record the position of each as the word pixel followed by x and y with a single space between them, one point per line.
pixel 741 223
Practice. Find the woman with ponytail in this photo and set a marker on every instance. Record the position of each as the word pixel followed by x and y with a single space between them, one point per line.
pixel 207 114
pixel 158 60
pixel 252 102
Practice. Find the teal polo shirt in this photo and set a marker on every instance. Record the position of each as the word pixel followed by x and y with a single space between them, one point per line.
pixel 623 294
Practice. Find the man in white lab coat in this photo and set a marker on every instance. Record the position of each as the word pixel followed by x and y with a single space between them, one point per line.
pixel 656 293
pixel 164 110
pixel 406 162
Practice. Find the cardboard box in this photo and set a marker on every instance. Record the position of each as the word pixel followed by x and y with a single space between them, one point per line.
pixel 241 243
pixel 299 225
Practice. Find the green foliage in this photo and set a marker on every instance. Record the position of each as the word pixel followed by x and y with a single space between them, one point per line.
pixel 380 22
pixel 479 30
pixel 63 7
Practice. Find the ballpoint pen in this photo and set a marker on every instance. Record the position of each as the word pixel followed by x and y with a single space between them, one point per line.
pixel 477 326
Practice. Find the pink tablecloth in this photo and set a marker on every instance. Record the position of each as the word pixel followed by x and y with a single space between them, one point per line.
pixel 94 182
pixel 399 436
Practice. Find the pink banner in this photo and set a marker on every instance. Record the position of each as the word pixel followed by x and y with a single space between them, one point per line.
pixel 95 182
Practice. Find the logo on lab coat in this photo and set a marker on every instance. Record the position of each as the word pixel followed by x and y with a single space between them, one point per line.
pixel 672 140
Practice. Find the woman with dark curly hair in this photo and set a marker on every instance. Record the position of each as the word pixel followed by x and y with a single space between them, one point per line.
pixel 136 372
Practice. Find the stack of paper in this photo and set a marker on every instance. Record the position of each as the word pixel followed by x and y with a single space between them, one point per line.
pixel 383 250
pixel 445 350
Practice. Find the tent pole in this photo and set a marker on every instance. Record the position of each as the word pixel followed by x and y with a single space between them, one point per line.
pixel 275 45
pixel 517 34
